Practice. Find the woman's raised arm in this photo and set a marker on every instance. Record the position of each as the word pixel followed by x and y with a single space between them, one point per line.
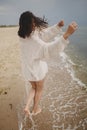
pixel 49 33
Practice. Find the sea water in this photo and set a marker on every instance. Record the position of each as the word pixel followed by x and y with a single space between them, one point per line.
pixel 77 51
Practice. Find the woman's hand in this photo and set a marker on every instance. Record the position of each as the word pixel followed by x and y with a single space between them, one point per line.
pixel 70 30
pixel 61 23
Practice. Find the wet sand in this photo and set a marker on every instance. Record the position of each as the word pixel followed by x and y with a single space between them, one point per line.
pixel 64 100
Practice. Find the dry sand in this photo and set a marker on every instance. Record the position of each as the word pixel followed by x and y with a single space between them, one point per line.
pixel 11 85
pixel 64 100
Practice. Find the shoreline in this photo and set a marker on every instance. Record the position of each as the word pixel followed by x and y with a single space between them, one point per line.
pixel 79 64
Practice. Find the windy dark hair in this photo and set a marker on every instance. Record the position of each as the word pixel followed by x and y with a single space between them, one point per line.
pixel 25 23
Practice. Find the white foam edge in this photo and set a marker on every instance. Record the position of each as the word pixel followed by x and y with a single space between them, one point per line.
pixel 68 64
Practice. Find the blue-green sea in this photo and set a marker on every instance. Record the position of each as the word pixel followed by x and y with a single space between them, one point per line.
pixel 77 51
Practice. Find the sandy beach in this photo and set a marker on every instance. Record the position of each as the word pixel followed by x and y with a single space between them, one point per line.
pixel 64 100
pixel 11 85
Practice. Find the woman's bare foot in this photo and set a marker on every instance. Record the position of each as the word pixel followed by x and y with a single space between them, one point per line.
pixel 26 110
pixel 36 111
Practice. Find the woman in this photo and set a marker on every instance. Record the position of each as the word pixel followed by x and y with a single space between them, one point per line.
pixel 34 36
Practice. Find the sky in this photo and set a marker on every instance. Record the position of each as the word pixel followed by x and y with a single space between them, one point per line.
pixel 53 10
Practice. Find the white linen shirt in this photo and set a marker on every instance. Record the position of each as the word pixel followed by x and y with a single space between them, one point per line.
pixel 41 45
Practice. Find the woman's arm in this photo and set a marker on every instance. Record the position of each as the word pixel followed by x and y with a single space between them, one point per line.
pixel 70 30
pixel 50 32
pixel 50 49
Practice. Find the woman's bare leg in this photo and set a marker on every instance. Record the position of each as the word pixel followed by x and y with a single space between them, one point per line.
pixel 38 94
pixel 30 97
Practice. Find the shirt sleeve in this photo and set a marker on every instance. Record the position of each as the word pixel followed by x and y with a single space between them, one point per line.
pixel 52 49
pixel 50 32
